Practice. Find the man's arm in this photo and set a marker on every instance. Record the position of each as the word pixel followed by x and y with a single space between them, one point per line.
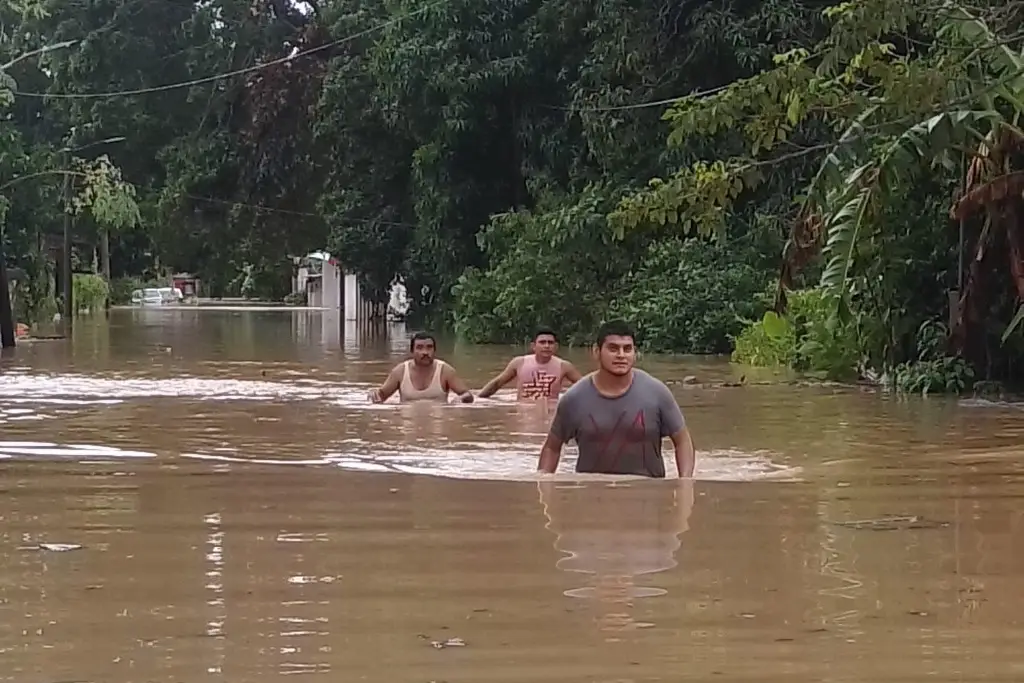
pixel 558 434
pixel 570 373
pixel 684 501
pixel 389 387
pixel 673 425
pixel 686 457
pixel 506 376
pixel 550 454
pixel 456 385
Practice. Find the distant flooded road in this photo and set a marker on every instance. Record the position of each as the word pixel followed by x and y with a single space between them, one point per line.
pixel 242 513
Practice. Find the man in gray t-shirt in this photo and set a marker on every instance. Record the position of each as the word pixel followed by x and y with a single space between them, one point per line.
pixel 618 416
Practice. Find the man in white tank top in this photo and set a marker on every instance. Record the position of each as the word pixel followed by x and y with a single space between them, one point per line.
pixel 538 375
pixel 423 377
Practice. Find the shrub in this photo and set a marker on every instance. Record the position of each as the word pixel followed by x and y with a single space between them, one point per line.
pixel 691 295
pixel 806 338
pixel 89 293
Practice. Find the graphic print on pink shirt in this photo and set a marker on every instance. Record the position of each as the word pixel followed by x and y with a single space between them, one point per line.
pixel 539 380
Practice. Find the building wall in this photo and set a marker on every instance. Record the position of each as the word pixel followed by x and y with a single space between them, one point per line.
pixel 337 290
pixel 332 286
pixel 299 279
pixel 353 297
pixel 315 293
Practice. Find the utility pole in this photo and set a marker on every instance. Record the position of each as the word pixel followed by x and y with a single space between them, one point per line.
pixel 7 340
pixel 105 259
pixel 67 314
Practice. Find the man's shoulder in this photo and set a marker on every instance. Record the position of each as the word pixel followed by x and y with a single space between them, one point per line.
pixel 650 380
pixel 581 389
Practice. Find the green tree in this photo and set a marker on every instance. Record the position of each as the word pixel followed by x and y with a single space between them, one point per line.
pixel 907 88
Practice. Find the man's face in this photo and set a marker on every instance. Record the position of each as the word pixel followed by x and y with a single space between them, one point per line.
pixel 423 351
pixel 617 355
pixel 544 346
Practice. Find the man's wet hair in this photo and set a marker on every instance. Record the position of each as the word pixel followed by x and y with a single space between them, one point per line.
pixel 542 331
pixel 421 336
pixel 614 328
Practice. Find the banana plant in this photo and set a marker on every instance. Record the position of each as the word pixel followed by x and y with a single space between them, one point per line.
pixel 856 178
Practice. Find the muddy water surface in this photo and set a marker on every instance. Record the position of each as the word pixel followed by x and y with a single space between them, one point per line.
pixel 245 515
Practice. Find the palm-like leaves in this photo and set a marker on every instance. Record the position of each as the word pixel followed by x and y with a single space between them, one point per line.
pixel 856 178
pixel 865 188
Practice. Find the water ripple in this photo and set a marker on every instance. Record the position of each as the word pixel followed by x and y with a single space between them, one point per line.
pixel 78 389
pixel 509 462
pixel 31 450
pixel 505 456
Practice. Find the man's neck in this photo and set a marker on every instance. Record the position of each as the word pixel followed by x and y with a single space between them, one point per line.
pixel 423 368
pixel 611 385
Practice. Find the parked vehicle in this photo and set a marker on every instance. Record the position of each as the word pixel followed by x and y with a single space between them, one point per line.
pixel 157 296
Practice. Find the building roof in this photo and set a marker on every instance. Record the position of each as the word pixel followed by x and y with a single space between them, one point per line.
pixel 321 256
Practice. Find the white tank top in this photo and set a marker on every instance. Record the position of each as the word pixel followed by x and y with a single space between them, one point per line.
pixel 435 391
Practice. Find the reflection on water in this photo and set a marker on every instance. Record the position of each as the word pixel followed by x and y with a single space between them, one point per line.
pixel 244 514
pixel 617 532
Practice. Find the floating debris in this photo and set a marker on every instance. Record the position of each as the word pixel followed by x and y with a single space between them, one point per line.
pixel 451 642
pixel 893 523
pixel 53 547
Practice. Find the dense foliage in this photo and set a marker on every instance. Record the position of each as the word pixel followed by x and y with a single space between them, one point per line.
pixel 528 162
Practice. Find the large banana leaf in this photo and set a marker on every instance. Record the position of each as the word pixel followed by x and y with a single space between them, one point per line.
pixel 853 179
pixel 869 184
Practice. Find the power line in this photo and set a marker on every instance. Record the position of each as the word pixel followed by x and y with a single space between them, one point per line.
pixel 642 105
pixel 255 207
pixel 260 208
pixel 227 74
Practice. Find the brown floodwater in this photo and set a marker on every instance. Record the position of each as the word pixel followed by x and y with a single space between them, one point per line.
pixel 244 514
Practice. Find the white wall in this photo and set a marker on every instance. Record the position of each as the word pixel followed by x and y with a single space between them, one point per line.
pixel 332 287
pixel 299 280
pixel 337 289
pixel 315 293
pixel 353 297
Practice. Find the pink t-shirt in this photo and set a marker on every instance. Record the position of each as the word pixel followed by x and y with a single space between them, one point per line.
pixel 539 380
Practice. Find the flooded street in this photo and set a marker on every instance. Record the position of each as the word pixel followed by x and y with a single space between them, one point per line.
pixel 244 513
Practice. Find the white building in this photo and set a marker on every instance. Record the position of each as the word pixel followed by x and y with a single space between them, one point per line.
pixel 327 286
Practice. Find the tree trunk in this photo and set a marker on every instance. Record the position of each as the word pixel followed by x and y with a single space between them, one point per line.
pixel 6 314
pixel 67 279
pixel 1015 238
pixel 964 337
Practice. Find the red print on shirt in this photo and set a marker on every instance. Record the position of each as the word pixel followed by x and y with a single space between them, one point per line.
pixel 621 435
pixel 540 385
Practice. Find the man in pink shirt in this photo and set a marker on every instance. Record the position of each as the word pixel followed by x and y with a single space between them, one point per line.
pixel 538 375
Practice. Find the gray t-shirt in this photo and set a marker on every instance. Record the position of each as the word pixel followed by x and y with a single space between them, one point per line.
pixel 619 435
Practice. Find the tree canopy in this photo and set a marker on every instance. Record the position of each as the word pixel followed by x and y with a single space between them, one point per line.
pixel 695 167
